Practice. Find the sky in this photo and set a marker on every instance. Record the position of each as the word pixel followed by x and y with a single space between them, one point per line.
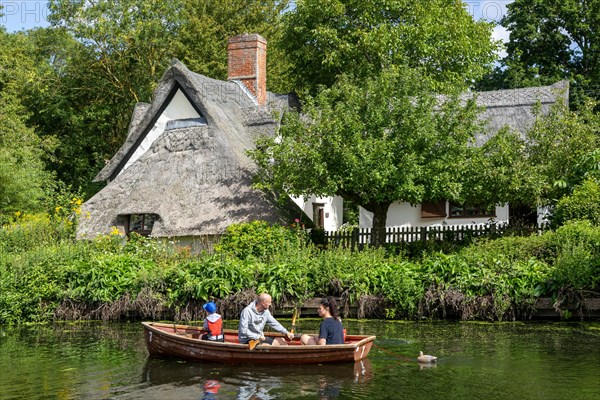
pixel 490 11
pixel 27 14
pixel 23 14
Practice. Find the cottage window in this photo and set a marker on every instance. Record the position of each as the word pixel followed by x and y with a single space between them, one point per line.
pixel 468 211
pixel 141 223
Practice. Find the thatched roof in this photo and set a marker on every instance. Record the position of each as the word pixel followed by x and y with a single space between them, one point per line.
pixel 196 175
pixel 515 107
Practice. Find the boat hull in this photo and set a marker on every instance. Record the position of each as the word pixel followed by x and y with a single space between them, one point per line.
pixel 183 342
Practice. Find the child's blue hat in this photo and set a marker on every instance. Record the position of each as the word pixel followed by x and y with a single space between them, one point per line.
pixel 210 307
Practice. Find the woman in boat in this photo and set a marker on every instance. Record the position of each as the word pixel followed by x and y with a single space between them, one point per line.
pixel 331 330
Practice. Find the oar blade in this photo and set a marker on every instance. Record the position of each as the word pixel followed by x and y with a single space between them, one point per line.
pixel 253 343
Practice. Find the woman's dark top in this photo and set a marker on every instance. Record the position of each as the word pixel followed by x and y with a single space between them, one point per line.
pixel 332 331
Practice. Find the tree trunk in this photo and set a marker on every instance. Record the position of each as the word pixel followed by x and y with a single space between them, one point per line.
pixel 379 211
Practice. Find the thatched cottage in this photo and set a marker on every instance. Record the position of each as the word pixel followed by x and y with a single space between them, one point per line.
pixel 183 171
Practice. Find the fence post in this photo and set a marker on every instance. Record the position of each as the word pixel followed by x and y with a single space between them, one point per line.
pixel 423 234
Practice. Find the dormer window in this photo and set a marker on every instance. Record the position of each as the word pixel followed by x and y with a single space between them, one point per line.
pixel 140 223
pixel 185 123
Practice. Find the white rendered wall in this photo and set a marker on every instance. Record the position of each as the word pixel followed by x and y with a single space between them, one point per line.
pixel 333 208
pixel 403 214
pixel 178 108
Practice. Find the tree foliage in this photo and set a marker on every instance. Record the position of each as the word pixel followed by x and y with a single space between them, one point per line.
pixel 583 203
pixel 551 40
pixel 375 130
pixel 544 164
pixel 326 38
pixel 24 180
pixel 562 150
pixel 125 43
pixel 504 174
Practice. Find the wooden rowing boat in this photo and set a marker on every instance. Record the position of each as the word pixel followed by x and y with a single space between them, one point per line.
pixel 183 341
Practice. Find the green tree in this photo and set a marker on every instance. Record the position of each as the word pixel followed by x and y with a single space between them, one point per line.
pixel 62 107
pixel 504 174
pixel 24 180
pixel 543 165
pixel 551 40
pixel 389 138
pixel 562 150
pixel 128 41
pixel 375 130
pixel 326 38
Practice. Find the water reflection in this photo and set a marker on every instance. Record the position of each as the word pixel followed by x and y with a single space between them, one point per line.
pixel 248 382
pixel 211 389
pixel 423 366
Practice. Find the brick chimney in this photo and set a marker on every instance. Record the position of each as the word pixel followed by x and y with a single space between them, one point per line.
pixel 247 62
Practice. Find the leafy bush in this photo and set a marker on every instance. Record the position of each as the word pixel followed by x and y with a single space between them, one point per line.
pixel 258 239
pixel 33 281
pixel 583 203
pixel 513 248
pixel 404 288
pixel 577 262
pixel 207 277
pixel 290 273
pixel 105 278
pixel 28 231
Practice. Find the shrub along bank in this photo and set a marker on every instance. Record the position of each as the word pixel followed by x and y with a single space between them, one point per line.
pixel 46 275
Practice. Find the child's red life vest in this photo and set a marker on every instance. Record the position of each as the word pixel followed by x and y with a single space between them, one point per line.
pixel 215 328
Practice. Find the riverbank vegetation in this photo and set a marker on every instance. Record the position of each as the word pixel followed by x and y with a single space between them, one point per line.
pixel 46 275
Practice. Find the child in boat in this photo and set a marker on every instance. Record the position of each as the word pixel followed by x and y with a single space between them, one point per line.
pixel 213 323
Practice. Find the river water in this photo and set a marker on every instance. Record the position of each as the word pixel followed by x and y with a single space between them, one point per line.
pixel 476 361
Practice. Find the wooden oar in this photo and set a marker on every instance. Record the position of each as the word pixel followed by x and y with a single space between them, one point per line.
pixel 253 343
pixel 294 316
